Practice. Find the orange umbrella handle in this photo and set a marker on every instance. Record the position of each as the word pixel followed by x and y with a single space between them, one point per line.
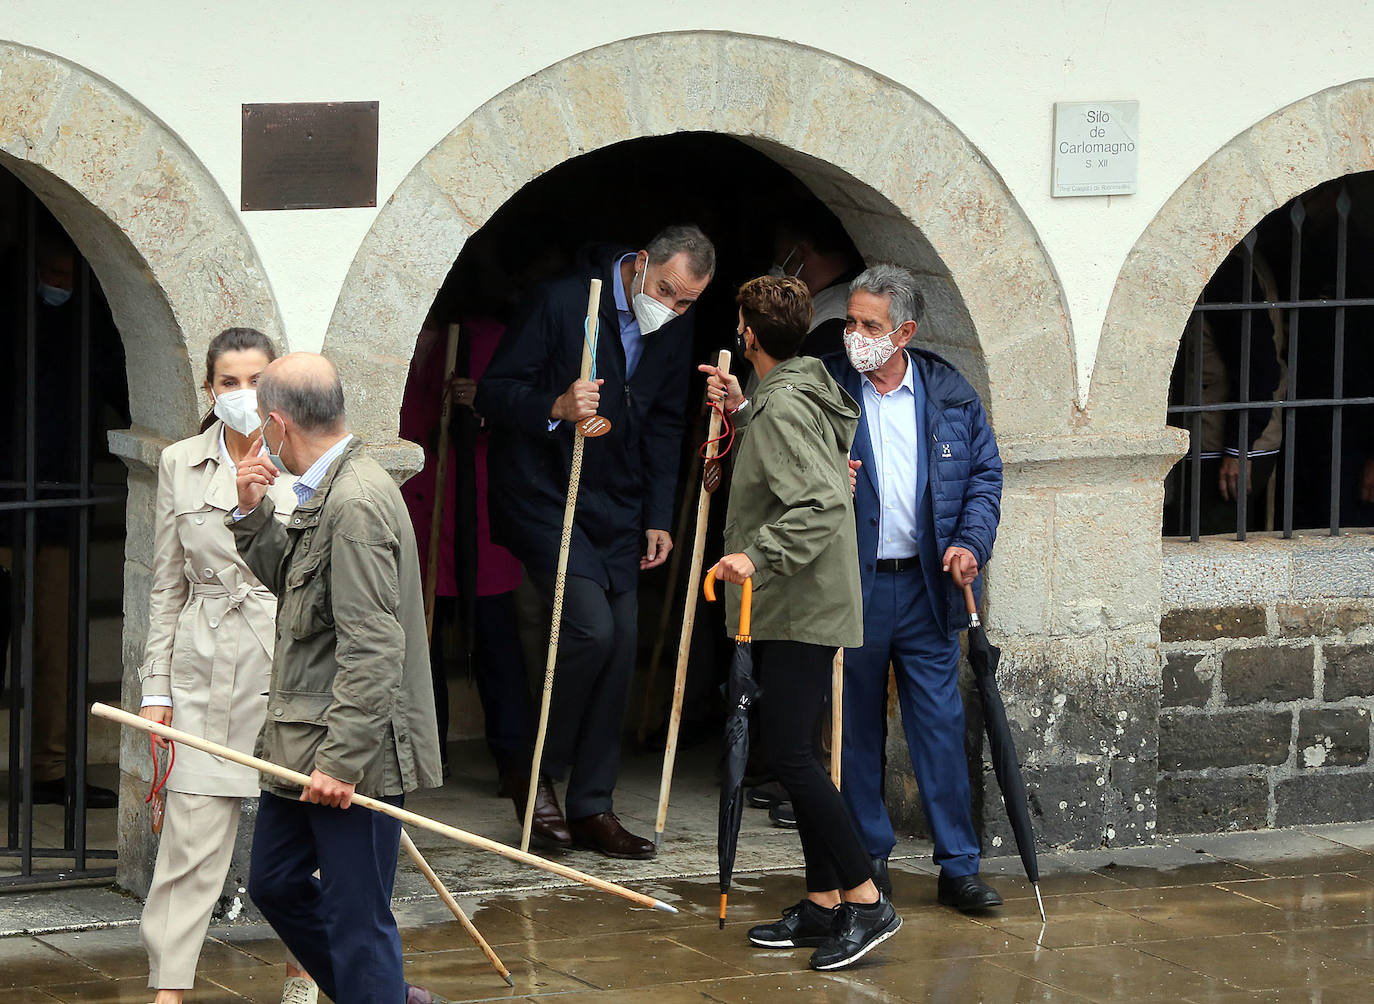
pixel 746 603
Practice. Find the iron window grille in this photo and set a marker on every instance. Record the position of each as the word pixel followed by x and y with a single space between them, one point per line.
pixel 1319 338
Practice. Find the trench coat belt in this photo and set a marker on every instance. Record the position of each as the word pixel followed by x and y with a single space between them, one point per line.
pixel 254 603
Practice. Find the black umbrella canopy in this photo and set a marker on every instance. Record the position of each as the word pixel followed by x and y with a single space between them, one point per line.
pixel 740 693
pixel 982 659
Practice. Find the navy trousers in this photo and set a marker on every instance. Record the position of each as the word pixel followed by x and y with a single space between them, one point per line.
pixel 900 629
pixel 339 926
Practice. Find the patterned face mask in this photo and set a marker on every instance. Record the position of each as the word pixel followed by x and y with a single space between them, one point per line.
pixel 867 354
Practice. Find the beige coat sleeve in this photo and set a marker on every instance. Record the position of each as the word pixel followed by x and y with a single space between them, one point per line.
pixel 169 589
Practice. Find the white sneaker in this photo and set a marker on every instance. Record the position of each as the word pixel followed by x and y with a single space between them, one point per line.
pixel 299 990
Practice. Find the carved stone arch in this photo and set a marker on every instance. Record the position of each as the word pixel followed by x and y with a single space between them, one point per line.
pixel 904 181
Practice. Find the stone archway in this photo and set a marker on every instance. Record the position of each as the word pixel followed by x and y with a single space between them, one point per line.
pixel 1323 136
pixel 176 267
pixel 907 185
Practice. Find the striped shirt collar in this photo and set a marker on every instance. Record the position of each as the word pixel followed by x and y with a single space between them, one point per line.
pixel 308 482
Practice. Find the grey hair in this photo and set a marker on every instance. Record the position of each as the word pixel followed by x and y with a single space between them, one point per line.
pixel 688 239
pixel 316 406
pixel 905 300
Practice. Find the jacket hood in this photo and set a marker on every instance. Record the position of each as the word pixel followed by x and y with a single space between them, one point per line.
pixel 810 377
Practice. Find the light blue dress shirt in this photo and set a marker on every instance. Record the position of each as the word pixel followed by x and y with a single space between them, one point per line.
pixel 630 338
pixel 891 419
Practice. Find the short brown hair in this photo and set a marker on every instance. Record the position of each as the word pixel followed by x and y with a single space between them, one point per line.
pixel 779 311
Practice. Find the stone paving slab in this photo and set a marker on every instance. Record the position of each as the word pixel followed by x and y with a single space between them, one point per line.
pixel 1256 916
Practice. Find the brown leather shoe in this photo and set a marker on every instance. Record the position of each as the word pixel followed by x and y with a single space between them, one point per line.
pixel 604 833
pixel 549 826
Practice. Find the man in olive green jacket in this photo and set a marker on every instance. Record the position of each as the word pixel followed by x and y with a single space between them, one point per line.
pixel 350 702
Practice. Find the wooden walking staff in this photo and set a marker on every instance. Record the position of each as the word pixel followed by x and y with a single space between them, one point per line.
pixel 710 481
pixel 593 425
pixel 452 904
pixel 436 521
pixel 646 708
pixel 836 714
pixel 377 805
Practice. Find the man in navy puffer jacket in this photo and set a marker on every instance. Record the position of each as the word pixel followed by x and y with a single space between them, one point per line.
pixel 927 503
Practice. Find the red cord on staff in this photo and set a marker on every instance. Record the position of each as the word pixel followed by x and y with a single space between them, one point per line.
pixel 157 785
pixel 727 434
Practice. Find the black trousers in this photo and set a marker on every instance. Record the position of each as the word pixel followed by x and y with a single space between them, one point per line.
pixel 499 668
pixel 795 678
pixel 591 684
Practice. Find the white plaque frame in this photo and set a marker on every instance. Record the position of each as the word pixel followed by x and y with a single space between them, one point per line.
pixel 1096 148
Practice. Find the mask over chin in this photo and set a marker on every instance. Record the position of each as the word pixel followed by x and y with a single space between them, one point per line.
pixel 53 296
pixel 780 271
pixel 276 459
pixel 650 314
pixel 867 354
pixel 239 410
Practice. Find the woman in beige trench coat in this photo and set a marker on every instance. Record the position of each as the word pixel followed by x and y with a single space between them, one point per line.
pixel 206 664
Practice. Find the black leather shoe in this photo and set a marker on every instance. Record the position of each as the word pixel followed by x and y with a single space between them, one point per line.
pixel 967 893
pixel 881 878
pixel 783 815
pixel 805 925
pixel 859 928
pixel 603 832
pixel 548 827
pixel 55 793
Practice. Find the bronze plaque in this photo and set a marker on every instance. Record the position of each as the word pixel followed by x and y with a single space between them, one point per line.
pixel 320 155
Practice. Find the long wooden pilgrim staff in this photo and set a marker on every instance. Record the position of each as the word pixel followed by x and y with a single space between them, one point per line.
pixel 593 426
pixel 436 521
pixel 376 805
pixel 409 846
pixel 710 481
pixel 836 714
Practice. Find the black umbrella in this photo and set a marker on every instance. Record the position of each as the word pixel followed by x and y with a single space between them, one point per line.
pixel 982 659
pixel 740 694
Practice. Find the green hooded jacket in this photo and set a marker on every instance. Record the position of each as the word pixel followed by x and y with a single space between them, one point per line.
pixel 792 512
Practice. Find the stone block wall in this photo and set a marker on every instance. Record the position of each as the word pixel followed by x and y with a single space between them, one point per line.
pixel 1266 697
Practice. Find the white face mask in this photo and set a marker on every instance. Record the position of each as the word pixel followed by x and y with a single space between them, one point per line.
pixel 276 459
pixel 239 410
pixel 650 314
pixel 867 354
pixel 780 271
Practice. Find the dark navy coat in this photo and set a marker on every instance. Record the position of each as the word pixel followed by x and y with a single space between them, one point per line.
pixel 961 498
pixel 629 475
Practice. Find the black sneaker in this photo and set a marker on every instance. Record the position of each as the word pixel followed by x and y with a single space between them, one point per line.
pixel 782 815
pixel 766 795
pixel 805 925
pixel 859 929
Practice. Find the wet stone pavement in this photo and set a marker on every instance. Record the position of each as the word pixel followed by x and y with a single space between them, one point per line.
pixel 1273 916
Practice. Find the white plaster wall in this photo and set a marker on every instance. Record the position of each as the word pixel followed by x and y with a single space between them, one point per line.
pixel 1202 72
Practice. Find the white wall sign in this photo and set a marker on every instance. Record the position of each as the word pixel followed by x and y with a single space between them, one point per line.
pixel 1095 147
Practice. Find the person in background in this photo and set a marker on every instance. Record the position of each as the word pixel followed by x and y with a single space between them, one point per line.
pixel 206 663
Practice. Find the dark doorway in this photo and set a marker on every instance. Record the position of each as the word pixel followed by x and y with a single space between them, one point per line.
pixel 62 511
pixel 751 208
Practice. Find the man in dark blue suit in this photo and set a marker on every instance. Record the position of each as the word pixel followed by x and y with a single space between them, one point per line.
pixel 927 503
pixel 532 394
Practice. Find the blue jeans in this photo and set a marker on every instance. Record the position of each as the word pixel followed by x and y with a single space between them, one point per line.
pixel 900 629
pixel 339 926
